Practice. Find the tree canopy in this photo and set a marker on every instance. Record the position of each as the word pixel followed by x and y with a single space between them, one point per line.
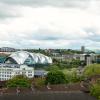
pixel 56 77
pixel 19 80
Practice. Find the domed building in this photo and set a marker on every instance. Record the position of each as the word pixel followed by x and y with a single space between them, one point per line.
pixel 24 57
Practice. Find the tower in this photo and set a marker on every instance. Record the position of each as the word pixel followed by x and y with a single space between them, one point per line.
pixel 82 49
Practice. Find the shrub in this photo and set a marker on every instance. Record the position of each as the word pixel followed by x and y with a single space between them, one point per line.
pixel 56 77
pixel 93 69
pixel 71 75
pixel 39 82
pixel 95 90
pixel 19 80
pixel 73 78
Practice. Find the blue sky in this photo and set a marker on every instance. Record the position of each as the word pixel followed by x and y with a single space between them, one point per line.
pixel 50 23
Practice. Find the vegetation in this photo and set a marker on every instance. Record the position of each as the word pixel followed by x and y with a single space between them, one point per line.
pixel 71 75
pixel 55 77
pixel 20 80
pixel 95 90
pixel 91 70
pixel 52 67
pixel 49 52
pixel 68 64
pixel 39 82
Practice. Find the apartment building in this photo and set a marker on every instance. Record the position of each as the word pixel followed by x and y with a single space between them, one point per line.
pixel 7 71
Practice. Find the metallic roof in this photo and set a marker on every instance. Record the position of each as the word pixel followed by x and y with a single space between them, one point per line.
pixel 21 56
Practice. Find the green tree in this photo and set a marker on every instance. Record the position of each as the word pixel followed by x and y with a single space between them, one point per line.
pixel 56 77
pixel 19 80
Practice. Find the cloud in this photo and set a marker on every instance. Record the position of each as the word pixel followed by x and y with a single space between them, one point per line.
pixel 49 24
pixel 8 11
pixel 56 3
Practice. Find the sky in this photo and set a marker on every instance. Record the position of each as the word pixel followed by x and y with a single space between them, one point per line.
pixel 50 24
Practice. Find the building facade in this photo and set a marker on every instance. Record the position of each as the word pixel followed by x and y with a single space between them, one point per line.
pixel 9 71
pixel 88 58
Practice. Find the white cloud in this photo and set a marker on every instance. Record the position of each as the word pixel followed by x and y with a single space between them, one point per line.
pixel 49 26
pixel 56 3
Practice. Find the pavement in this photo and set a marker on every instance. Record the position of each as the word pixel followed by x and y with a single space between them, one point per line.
pixel 49 96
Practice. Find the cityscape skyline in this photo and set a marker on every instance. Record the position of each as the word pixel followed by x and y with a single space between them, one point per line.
pixel 50 24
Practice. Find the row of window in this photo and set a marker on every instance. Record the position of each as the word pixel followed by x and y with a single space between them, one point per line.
pixel 5 75
pixel 16 72
pixel 5 69
pixel 30 75
pixel 3 79
pixel 5 72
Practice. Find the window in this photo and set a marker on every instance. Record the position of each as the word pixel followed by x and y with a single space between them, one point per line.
pixel 2 72
pixel 8 75
pixel 17 73
pixel 9 70
pixel 30 72
pixel 2 79
pixel 23 68
pixel 29 75
pixel 23 72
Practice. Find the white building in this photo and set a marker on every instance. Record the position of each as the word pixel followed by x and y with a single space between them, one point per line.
pixel 7 71
pixel 18 64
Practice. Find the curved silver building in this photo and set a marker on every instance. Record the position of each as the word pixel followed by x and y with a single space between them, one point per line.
pixel 24 57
